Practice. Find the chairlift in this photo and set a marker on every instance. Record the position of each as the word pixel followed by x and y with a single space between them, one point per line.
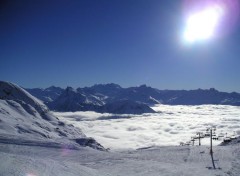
pixel 199 135
pixel 207 134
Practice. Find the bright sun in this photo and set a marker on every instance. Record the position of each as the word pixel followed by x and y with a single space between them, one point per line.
pixel 202 25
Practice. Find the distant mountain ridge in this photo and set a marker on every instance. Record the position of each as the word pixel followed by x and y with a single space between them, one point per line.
pixel 46 95
pixel 96 97
pixel 91 100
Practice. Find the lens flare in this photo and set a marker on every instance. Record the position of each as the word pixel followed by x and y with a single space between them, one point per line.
pixel 65 150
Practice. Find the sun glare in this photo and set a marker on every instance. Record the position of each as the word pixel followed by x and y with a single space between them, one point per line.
pixel 201 25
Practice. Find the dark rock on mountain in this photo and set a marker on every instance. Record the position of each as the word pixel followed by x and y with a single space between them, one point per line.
pixel 90 142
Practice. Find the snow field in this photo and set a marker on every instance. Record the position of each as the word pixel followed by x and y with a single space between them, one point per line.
pixel 165 161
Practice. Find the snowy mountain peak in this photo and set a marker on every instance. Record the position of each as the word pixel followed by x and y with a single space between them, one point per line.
pixel 54 88
pixel 17 96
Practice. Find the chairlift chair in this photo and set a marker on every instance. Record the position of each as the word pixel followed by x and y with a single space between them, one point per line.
pixel 207 134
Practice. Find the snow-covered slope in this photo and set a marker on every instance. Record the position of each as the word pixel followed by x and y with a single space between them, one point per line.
pixel 153 161
pixel 23 116
pixel 12 92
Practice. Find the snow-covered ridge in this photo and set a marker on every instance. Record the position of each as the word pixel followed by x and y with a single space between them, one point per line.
pixel 10 91
pixel 24 117
pixel 87 100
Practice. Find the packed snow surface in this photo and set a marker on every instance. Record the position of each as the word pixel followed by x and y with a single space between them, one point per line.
pixel 170 126
pixel 156 161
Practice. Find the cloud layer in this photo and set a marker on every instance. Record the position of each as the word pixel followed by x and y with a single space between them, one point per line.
pixel 170 126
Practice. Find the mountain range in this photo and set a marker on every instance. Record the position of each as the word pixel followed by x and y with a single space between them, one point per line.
pixel 113 98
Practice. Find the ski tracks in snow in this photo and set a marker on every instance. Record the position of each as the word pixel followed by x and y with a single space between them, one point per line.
pixel 235 169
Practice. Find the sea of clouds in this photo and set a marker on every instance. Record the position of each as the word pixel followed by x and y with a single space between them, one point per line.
pixel 169 126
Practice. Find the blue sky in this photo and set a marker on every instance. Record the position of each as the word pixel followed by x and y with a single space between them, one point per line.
pixel 128 42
